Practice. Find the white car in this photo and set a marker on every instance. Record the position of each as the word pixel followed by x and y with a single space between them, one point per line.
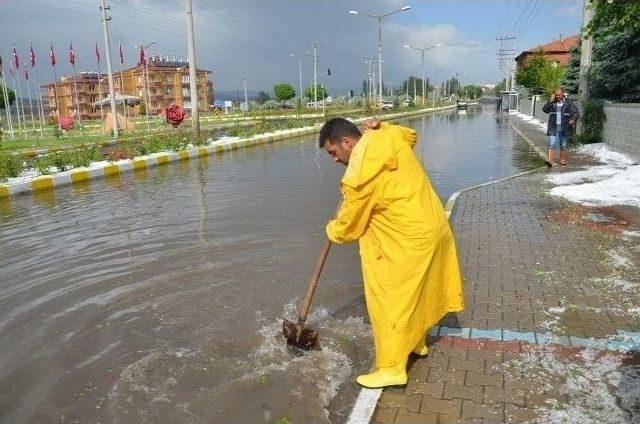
pixel 387 105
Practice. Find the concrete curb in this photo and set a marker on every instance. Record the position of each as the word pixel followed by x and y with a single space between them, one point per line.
pixel 113 169
pixel 535 147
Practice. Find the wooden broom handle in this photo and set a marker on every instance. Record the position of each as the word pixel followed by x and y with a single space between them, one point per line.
pixel 306 303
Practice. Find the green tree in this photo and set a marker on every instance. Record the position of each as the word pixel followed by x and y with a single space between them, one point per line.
pixel 283 91
pixel 322 93
pixel 472 91
pixel 540 75
pixel 263 96
pixel 10 93
pixel 615 71
pixel 614 15
pixel 572 74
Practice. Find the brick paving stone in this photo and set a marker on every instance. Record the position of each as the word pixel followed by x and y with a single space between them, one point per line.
pixel 398 400
pixel 441 406
pixel 405 417
pixel 438 375
pixel 453 391
pixel 492 413
pixel 480 379
pixel 517 414
pixel 514 396
pixel 384 415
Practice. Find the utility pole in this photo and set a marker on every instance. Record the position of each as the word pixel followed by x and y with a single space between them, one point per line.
pixel 193 81
pixel 315 46
pixel 246 100
pixel 107 48
pixel 585 55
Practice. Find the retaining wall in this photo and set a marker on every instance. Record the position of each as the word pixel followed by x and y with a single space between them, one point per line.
pixel 622 129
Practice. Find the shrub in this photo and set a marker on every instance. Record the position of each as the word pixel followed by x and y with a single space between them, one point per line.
pixel 593 119
pixel 10 166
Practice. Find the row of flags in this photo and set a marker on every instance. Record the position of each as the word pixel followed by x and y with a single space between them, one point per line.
pixel 15 63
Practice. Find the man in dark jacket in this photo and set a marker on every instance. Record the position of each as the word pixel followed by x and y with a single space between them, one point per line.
pixel 563 115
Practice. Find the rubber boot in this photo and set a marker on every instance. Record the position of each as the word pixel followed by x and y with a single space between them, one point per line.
pixel 383 377
pixel 421 349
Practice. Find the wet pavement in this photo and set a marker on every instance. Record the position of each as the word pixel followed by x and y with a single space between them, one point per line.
pixel 534 266
pixel 157 297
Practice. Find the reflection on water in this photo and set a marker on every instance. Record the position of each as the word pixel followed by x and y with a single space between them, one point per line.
pixel 157 296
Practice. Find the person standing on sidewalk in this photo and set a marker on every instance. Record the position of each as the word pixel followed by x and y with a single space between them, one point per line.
pixel 563 115
pixel 408 254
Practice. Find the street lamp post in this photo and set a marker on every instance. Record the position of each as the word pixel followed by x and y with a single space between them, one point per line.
pixel 299 57
pixel 380 18
pixel 424 89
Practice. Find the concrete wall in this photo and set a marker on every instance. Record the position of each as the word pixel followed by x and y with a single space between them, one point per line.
pixel 622 128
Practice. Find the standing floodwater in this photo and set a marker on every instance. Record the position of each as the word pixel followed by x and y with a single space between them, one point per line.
pixel 158 297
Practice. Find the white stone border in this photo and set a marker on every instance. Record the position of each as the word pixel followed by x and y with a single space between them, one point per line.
pixel 108 169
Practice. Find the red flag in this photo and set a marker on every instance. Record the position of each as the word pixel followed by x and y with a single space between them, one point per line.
pixel 121 55
pixel 72 55
pixel 97 53
pixel 16 61
pixel 52 56
pixel 142 60
pixel 1 66
pixel 32 56
pixel 26 74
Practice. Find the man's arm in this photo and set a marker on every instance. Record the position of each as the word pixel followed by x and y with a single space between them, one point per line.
pixel 352 219
pixel 548 107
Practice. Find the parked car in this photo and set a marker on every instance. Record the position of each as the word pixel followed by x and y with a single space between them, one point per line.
pixel 387 105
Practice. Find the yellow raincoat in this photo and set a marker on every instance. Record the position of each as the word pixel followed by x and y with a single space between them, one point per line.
pixel 408 254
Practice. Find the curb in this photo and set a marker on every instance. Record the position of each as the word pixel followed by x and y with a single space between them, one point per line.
pixel 114 169
pixel 451 202
pixel 528 140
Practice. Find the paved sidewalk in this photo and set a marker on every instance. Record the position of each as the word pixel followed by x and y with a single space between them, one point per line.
pixel 533 263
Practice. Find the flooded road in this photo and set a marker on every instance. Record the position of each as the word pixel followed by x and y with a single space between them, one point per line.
pixel 157 297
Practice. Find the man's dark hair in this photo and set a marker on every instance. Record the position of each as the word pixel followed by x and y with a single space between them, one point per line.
pixel 336 128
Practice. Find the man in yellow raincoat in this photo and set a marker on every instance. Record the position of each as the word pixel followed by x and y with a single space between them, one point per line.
pixel 408 255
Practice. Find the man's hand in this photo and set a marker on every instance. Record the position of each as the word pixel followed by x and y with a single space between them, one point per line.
pixel 370 124
pixel 553 98
pixel 572 123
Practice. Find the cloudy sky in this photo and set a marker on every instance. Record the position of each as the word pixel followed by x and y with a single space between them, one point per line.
pixel 253 38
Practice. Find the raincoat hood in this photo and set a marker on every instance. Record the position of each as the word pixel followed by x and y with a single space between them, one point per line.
pixel 377 151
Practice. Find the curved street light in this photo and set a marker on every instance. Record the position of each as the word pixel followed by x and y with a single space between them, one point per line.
pixel 380 18
pixel 422 50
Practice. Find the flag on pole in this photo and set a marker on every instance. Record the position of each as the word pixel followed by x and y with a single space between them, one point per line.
pixel 72 55
pixel 32 56
pixel 121 54
pixel 16 61
pixel 97 53
pixel 142 60
pixel 52 56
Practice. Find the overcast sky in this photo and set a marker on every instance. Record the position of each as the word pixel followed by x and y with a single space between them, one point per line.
pixel 253 38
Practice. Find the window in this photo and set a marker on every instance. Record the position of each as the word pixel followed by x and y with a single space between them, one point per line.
pixel 185 92
pixel 185 79
pixel 139 79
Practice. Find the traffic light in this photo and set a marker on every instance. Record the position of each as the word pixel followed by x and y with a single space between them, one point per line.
pixel 329 71
pixel 350 93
